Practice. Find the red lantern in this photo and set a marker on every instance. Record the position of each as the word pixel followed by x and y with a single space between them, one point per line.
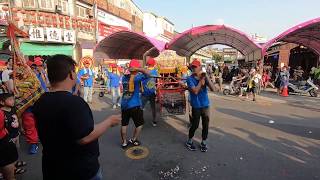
pixel 74 18
pixel 60 17
pixel 5 8
pixel 67 17
pixel 34 21
pixel 54 24
pixel 48 23
pixel 47 15
pixel 74 26
pixel 32 13
pixel 14 10
pixel 61 24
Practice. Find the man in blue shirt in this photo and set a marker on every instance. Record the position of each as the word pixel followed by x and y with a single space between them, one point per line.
pixel 131 103
pixel 115 86
pixel 149 89
pixel 87 76
pixel 198 91
pixel 41 77
pixel 76 88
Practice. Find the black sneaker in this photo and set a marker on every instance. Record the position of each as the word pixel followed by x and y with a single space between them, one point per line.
pixel 203 147
pixel 154 123
pixel 190 146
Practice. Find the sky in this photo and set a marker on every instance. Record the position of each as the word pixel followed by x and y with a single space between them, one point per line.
pixel 267 18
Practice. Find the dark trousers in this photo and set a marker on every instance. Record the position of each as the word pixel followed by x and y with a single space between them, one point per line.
pixel 198 113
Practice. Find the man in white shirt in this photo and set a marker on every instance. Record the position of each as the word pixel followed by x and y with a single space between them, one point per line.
pixel 7 78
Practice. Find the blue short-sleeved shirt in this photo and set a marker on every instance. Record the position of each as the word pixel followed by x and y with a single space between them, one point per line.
pixel 200 100
pixel 131 99
pixel 149 84
pixel 88 82
pixel 114 79
pixel 77 82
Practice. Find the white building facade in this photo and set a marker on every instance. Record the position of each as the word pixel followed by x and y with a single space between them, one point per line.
pixel 158 27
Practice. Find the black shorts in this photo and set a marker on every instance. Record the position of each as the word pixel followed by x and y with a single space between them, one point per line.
pixel 135 113
pixel 253 90
pixel 8 152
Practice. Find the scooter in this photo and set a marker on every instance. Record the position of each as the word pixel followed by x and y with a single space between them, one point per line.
pixel 303 87
pixel 232 89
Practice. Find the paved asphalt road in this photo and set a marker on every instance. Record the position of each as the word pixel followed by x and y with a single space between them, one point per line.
pixel 273 138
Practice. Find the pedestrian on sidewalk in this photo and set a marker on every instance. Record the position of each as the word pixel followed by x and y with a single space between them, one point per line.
pixel 149 89
pixel 198 84
pixel 87 76
pixel 131 102
pixel 115 86
pixel 66 127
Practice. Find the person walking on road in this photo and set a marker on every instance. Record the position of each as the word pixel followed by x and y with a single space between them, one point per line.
pixel 149 89
pixel 87 76
pixel 198 84
pixel 66 127
pixel 115 87
pixel 131 102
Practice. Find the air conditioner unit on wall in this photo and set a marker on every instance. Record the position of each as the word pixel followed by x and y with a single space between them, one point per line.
pixel 58 9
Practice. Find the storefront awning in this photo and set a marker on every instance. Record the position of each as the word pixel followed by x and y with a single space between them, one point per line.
pixel 34 49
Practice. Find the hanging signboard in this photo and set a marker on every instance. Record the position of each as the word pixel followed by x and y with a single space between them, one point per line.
pixel 36 34
pixel 69 36
pixel 54 35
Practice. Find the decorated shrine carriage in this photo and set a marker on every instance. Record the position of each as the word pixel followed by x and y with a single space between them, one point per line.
pixel 171 92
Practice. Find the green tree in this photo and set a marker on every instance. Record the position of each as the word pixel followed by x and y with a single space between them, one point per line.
pixel 217 57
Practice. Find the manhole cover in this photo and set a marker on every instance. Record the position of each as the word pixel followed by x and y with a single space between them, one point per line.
pixel 137 152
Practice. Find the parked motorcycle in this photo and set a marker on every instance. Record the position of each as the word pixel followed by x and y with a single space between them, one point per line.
pixel 303 87
pixel 233 88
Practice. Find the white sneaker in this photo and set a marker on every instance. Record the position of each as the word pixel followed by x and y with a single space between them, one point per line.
pixel 114 107
pixel 119 105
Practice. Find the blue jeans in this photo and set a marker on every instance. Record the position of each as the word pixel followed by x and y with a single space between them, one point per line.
pixel 115 94
pixel 98 176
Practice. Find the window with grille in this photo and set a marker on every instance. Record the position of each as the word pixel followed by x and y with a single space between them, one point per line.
pixel 81 11
pixel 46 4
pixel 29 3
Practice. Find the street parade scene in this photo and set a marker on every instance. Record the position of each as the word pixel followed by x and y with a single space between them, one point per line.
pixel 143 90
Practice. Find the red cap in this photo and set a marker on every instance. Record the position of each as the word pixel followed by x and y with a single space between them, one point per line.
pixel 134 63
pixel 38 62
pixel 37 59
pixel 151 62
pixel 196 63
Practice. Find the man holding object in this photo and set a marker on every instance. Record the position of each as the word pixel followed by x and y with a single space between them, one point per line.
pixel 197 85
pixel 66 128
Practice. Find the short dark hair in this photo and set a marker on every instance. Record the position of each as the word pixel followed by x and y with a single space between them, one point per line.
pixel 5 96
pixel 59 67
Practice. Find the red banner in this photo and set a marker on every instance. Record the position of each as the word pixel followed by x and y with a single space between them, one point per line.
pixel 105 29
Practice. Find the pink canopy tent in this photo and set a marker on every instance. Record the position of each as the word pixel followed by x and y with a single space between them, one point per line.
pixel 188 42
pixel 128 45
pixel 306 34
